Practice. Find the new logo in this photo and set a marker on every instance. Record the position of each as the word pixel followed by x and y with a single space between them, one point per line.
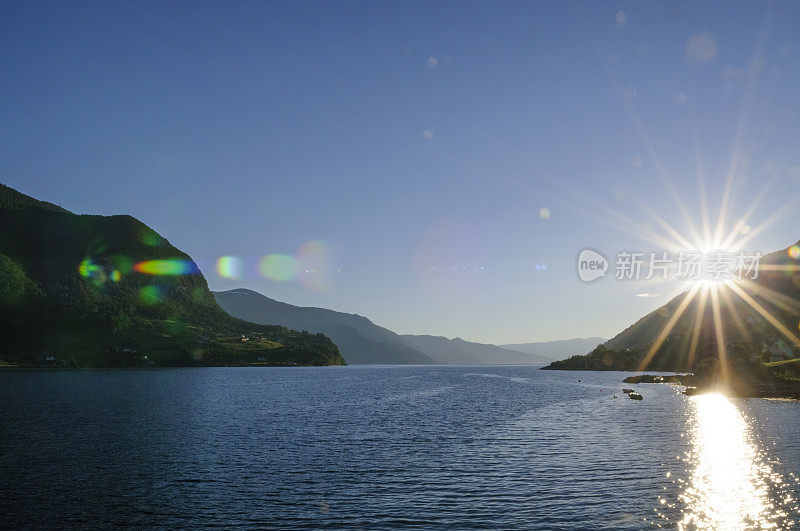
pixel 591 265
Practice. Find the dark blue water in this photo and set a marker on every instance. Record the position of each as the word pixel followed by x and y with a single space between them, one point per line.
pixel 387 446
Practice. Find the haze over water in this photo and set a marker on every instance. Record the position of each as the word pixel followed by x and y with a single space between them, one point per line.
pixel 377 446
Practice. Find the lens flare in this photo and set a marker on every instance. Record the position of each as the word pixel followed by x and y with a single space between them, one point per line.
pixel 151 294
pixel 89 269
pixel 116 276
pixel 280 267
pixel 308 265
pixel 166 267
pixel 229 267
pixel 312 259
pixel 794 252
pixel 94 272
pixel 123 264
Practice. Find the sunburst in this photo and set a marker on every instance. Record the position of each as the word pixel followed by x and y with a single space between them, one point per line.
pixel 710 291
pixel 711 234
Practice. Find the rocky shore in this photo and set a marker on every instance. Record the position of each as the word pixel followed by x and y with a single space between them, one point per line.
pixel 736 387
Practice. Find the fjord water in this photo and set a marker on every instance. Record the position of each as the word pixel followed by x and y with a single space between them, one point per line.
pixel 388 446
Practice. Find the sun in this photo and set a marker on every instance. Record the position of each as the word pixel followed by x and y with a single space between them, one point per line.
pixel 716 266
pixel 695 229
pixel 708 283
pixel 714 252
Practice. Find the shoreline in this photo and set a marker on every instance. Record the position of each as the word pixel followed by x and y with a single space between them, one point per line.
pixel 57 367
pixel 697 386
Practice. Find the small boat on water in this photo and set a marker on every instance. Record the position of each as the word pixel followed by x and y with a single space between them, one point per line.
pixel 635 396
pixel 627 391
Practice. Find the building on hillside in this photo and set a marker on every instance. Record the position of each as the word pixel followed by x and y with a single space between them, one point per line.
pixel 778 350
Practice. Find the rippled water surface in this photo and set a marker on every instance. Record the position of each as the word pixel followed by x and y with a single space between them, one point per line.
pixel 388 446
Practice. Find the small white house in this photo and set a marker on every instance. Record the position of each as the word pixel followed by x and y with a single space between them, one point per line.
pixel 778 350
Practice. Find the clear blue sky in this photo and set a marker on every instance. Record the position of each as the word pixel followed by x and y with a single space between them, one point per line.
pixel 407 136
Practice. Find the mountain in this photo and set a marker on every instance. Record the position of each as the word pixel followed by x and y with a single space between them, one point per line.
pixel 557 349
pixel 459 352
pixel 89 290
pixel 360 340
pixel 758 320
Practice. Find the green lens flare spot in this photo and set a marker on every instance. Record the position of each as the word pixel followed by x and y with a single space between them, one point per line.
pixel 88 269
pixel 151 294
pixel 278 267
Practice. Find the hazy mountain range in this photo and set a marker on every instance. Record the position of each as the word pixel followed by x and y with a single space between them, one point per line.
pixel 358 337
pixel 557 349
pixel 460 352
pixel 363 342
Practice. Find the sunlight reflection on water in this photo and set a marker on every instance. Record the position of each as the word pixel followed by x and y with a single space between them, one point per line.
pixel 384 447
pixel 732 486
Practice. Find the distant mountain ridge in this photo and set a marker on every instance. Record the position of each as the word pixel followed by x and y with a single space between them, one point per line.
pixel 363 342
pixel 557 349
pixel 359 339
pixel 460 352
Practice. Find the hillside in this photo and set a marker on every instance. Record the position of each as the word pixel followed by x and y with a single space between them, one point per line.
pixel 748 335
pixel 91 290
pixel 360 340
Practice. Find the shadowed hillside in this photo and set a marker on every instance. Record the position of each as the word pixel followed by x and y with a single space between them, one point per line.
pixel 94 290
pixel 757 318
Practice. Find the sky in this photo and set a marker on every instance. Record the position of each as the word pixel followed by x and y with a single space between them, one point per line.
pixel 434 166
